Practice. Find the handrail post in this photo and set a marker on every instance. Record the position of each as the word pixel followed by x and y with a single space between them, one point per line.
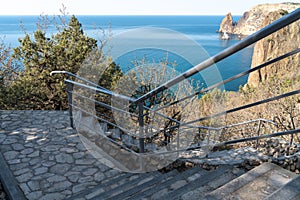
pixel 70 102
pixel 258 132
pixel 178 136
pixel 141 126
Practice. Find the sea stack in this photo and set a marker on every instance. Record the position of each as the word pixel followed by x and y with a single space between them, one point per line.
pixel 226 24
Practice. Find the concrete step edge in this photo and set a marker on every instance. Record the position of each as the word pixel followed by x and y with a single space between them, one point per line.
pixel 145 186
pixel 241 181
pixel 126 186
pixel 167 183
pixel 199 182
pixel 288 191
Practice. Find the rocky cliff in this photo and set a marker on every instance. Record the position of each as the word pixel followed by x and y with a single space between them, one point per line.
pixel 254 19
pixel 277 44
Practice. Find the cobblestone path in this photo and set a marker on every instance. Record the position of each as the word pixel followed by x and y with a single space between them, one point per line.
pixel 46 156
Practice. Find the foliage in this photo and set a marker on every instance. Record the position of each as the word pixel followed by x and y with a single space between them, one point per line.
pixel 42 53
pixel 284 112
pixel 143 78
pixel 9 70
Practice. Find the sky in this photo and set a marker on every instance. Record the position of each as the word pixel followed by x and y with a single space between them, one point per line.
pixel 131 7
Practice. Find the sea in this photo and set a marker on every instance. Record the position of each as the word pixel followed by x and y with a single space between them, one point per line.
pixel 197 32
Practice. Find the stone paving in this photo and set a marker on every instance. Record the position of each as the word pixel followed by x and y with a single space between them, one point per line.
pixel 46 156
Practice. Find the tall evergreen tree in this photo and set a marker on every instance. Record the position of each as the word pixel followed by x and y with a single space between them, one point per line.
pixel 40 55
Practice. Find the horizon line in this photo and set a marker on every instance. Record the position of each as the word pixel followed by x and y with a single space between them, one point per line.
pixel 159 15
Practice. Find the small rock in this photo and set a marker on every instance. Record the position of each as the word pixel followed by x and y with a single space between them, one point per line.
pixel 25 188
pixel 34 154
pixel 40 170
pixel 60 169
pixel 59 186
pixel 34 195
pixel 10 141
pixel 17 146
pixel 27 151
pixel 90 171
pixel 85 179
pixel 53 196
pixel 84 162
pixel 21 171
pixel 99 176
pixel 64 158
pixel 34 185
pixel 24 177
pixel 56 178
pixel 9 155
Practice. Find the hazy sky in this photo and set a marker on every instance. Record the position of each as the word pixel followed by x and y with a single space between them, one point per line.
pixel 130 7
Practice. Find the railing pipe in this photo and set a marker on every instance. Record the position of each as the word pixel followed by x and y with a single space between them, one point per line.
pixel 104 104
pixel 247 122
pixel 70 102
pixel 237 76
pixel 258 132
pixel 230 142
pixel 264 32
pixel 245 106
pixel 141 127
pixel 108 92
pixel 259 137
pixel 77 77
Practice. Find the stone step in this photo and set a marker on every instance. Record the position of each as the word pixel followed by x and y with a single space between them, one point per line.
pixel 202 190
pixel 212 179
pixel 127 185
pixel 145 186
pixel 102 187
pixel 164 186
pixel 290 191
pixel 258 183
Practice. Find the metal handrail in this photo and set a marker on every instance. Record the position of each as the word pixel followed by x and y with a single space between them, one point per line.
pixel 77 77
pixel 231 142
pixel 269 29
pixel 262 33
pixel 245 106
pixel 289 132
pixel 104 104
pixel 247 122
pixel 203 91
pixel 96 89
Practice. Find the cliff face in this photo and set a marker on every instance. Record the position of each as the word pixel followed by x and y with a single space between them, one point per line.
pixel 254 19
pixel 279 43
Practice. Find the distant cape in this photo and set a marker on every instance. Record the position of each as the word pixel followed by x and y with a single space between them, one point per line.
pixel 254 19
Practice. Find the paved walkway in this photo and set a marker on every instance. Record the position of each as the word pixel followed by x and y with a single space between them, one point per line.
pixel 46 156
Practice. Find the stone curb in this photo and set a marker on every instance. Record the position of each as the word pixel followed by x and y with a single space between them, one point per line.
pixel 9 182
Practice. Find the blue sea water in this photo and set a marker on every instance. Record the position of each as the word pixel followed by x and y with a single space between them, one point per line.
pixel 201 29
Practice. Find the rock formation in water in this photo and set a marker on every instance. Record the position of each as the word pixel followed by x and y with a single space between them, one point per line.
pixel 227 24
pixel 254 19
pixel 277 44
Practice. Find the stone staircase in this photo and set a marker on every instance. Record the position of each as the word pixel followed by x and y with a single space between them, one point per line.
pixel 267 181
